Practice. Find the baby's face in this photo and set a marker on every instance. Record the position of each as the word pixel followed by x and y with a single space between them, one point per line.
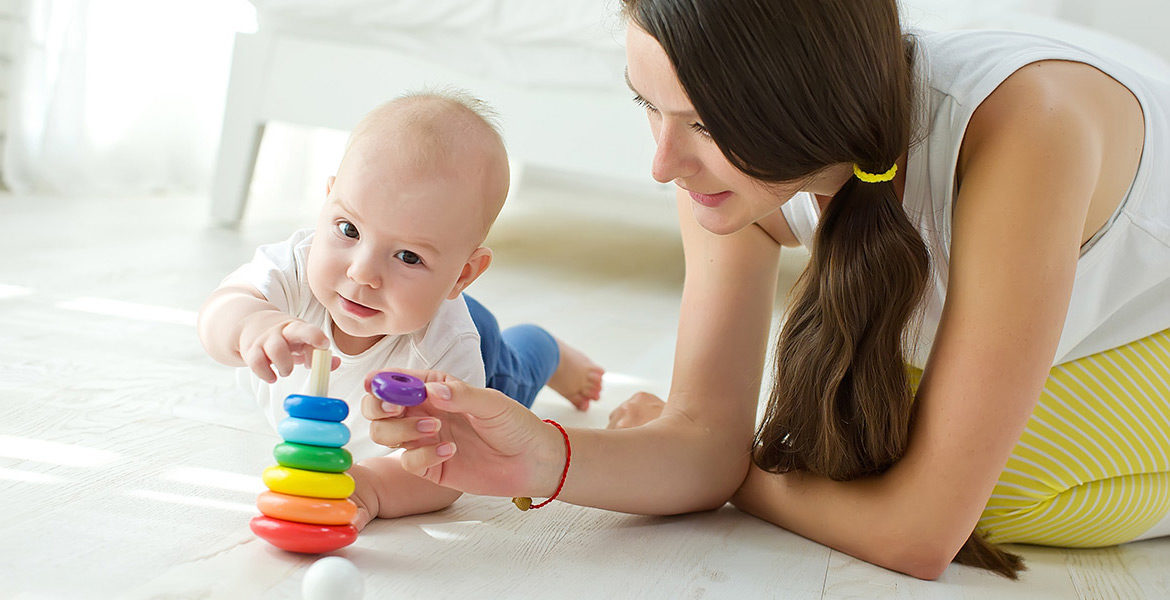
pixel 391 242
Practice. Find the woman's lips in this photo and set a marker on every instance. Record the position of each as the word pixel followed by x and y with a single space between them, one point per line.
pixel 710 200
pixel 355 309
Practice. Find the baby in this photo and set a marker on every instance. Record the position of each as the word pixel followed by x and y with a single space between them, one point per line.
pixel 380 280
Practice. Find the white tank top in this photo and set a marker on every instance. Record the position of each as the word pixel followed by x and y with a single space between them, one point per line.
pixel 1122 287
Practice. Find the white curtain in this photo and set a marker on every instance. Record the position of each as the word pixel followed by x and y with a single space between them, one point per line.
pixel 119 96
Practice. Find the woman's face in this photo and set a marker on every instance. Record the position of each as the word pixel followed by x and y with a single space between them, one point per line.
pixel 724 199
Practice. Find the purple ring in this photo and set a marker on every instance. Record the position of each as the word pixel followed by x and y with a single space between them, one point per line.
pixel 398 388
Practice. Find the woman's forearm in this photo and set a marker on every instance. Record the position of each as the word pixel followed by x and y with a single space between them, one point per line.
pixel 873 518
pixel 668 466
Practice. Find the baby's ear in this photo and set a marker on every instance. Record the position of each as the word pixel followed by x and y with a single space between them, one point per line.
pixel 479 261
pixel 329 184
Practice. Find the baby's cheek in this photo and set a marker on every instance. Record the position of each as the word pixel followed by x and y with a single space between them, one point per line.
pixel 415 310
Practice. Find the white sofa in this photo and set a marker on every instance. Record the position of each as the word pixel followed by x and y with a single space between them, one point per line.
pixel 552 68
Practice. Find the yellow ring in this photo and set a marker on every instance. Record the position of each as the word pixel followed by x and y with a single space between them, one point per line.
pixel 299 482
pixel 874 177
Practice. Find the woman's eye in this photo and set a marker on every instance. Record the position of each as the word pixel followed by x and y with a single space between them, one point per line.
pixel 699 129
pixel 408 257
pixel 348 229
pixel 640 101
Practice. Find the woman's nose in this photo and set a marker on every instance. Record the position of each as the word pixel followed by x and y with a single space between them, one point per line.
pixel 672 158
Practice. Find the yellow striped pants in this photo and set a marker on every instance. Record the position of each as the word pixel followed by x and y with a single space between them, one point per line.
pixel 1092 468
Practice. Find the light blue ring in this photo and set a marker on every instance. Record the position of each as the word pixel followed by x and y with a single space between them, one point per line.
pixel 314 433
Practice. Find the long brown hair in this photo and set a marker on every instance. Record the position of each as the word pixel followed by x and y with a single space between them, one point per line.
pixel 787 88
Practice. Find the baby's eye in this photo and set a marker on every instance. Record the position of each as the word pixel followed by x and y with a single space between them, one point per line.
pixel 348 229
pixel 408 257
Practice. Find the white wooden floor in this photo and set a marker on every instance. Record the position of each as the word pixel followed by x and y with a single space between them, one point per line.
pixel 129 465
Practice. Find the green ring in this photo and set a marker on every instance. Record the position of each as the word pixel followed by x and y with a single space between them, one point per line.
pixel 312 458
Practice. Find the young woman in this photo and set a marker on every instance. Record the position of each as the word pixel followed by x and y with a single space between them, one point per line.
pixel 979 349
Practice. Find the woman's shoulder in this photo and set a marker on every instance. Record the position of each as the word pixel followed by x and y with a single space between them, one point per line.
pixel 1042 103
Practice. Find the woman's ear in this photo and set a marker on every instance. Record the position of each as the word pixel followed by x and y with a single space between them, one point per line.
pixel 477 263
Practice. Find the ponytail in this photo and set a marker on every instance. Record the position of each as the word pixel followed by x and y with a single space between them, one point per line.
pixel 840 404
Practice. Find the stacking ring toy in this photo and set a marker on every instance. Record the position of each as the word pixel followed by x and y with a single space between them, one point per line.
pixel 399 388
pixel 307 508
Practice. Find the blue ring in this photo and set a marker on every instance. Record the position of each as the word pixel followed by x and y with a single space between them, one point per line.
pixel 317 408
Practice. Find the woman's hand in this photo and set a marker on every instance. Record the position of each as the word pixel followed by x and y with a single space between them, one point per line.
pixel 470 439
pixel 641 408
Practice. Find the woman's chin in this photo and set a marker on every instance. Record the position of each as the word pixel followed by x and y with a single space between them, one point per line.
pixel 719 222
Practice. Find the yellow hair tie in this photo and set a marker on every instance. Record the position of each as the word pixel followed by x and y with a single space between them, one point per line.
pixel 874 177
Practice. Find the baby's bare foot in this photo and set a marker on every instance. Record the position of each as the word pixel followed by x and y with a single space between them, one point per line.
pixel 577 378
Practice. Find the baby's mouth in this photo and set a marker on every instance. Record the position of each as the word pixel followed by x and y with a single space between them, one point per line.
pixel 355 309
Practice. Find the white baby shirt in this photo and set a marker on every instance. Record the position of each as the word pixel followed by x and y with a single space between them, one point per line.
pixel 449 343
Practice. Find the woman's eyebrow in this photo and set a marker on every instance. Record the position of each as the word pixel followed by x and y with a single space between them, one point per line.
pixel 630 84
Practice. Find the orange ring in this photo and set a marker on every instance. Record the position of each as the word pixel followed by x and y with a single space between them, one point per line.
pixel 318 511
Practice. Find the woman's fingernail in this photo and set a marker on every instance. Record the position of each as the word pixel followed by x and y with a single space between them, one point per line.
pixel 441 390
pixel 428 426
pixel 446 449
pixel 389 408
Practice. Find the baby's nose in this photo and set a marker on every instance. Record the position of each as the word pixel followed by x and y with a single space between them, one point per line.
pixel 364 272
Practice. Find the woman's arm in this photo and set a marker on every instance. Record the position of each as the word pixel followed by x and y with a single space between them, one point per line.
pixel 695 455
pixel 691 458
pixel 1030 164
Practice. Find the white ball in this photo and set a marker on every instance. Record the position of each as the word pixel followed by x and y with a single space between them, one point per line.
pixel 332 578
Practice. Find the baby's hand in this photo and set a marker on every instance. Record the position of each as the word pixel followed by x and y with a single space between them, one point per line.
pixel 640 409
pixel 382 489
pixel 271 340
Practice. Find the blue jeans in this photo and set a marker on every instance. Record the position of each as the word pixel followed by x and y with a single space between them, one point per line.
pixel 517 361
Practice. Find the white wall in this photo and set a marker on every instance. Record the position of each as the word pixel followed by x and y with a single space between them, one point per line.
pixel 1142 22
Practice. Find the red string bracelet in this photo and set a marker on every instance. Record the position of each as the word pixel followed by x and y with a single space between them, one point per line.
pixel 524 502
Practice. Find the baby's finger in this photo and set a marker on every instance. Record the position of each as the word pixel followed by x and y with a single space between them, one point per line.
pixel 300 332
pixel 421 461
pixel 279 353
pixel 375 409
pixel 258 362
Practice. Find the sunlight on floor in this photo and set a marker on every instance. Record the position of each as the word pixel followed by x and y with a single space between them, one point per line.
pixel 130 310
pixel 13 291
pixel 611 378
pixel 28 476
pixel 193 501
pixel 214 478
pixel 69 455
pixel 443 532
